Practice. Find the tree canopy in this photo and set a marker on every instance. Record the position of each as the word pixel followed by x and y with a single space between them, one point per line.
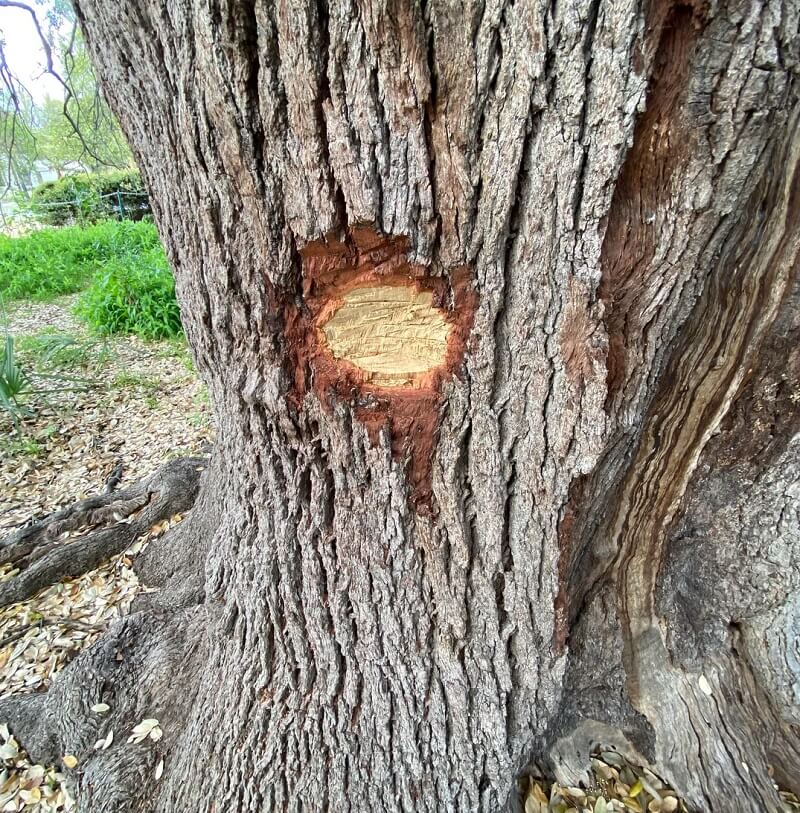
pixel 54 135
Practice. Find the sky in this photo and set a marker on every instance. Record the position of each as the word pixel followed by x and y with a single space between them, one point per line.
pixel 25 55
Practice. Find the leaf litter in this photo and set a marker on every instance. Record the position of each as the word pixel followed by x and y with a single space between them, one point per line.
pixel 147 728
pixel 616 786
pixel 24 786
pixel 135 413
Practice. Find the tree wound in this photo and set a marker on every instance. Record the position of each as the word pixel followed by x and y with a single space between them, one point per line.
pixel 391 332
pixel 382 334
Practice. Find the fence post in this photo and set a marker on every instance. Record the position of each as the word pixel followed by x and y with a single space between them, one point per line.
pixel 120 205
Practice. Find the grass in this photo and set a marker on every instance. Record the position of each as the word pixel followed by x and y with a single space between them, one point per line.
pixel 19 445
pixel 53 350
pixel 177 348
pixel 122 266
pixel 200 417
pixel 134 294
pixel 53 262
pixel 124 381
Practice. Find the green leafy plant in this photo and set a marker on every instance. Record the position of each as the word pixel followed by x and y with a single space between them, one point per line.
pixel 14 381
pixel 19 384
pixel 53 262
pixel 90 197
pixel 135 295
pixel 55 351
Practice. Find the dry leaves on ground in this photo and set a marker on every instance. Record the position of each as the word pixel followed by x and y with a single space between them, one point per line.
pixel 63 619
pixel 617 787
pixel 147 728
pixel 28 787
pixel 145 405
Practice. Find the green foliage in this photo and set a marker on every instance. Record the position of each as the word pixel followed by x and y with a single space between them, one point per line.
pixel 177 349
pixel 14 381
pixel 20 445
pixel 126 380
pixel 53 262
pixel 90 197
pixel 133 295
pixel 100 143
pixel 17 144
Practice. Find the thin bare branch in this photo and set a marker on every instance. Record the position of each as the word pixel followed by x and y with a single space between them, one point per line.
pixel 51 69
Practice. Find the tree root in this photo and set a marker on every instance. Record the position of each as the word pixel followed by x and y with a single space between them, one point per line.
pixel 146 666
pixel 44 559
pixel 147 663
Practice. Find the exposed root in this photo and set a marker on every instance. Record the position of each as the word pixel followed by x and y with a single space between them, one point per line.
pixel 145 667
pixel 45 559
pixel 25 716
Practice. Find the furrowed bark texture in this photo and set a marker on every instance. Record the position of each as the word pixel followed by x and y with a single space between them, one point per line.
pixel 601 506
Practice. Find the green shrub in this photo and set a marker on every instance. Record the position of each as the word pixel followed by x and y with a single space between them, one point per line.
pixel 134 294
pixel 53 262
pixel 89 198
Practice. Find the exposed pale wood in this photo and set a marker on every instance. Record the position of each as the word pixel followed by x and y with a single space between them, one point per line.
pixel 392 332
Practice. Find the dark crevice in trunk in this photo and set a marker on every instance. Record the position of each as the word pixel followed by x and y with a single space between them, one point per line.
pixel 324 95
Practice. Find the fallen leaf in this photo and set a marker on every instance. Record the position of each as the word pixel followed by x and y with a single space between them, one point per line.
pixel 10 749
pixel 101 745
pixel 143 730
pixel 705 686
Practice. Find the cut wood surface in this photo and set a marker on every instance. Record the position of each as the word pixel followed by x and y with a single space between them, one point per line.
pixel 392 332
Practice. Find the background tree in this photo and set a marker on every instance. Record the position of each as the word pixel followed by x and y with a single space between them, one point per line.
pixel 18 160
pixel 73 133
pixel 573 521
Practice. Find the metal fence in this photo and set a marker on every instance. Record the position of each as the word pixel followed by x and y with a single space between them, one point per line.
pixel 120 195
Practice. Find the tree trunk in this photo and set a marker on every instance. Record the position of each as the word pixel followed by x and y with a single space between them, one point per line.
pixel 572 519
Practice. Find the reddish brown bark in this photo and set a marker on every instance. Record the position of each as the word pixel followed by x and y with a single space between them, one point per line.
pixel 410 414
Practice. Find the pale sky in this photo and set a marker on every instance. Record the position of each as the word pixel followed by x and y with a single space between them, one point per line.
pixel 24 53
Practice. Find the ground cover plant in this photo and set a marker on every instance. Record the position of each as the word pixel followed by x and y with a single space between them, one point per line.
pixel 130 285
pixel 53 262
pixel 133 294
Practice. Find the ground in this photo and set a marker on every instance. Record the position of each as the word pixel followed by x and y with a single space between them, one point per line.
pixel 119 400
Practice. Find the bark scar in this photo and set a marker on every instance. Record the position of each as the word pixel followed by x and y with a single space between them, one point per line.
pixel 433 323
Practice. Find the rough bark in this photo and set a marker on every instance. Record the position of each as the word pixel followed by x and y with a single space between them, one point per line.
pixel 620 183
